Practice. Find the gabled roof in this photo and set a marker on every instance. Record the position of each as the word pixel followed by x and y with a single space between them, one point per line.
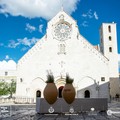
pixel 67 18
pixel 62 12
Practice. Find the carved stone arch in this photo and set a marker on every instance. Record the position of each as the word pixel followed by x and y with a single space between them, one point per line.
pixel 87 84
pixel 86 81
pixel 60 83
pixel 38 78
pixel 37 84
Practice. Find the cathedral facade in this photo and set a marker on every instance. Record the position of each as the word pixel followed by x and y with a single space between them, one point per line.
pixel 63 50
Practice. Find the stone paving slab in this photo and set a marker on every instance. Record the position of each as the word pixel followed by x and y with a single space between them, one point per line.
pixel 27 112
pixel 81 116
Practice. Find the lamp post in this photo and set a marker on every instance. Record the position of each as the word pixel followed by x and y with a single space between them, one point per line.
pixel 97 88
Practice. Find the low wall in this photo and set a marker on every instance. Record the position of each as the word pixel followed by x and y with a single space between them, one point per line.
pixel 17 100
pixel 79 105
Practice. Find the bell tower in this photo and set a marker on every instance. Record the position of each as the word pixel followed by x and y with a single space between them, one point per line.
pixel 108 46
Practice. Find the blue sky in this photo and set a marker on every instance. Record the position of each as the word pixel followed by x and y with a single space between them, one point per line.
pixel 23 22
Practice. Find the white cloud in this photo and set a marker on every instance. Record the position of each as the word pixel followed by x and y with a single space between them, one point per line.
pixel 13 44
pixel 25 42
pixel 40 28
pixel 7 57
pixel 95 15
pixel 90 14
pixel 84 24
pixel 30 28
pixel 36 8
pixel 1 44
pixel 84 15
pixel 24 48
pixel 10 65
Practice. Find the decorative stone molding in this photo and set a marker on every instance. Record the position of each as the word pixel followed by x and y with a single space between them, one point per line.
pixel 92 49
pixel 36 47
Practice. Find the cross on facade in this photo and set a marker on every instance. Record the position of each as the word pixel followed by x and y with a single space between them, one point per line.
pixel 62 63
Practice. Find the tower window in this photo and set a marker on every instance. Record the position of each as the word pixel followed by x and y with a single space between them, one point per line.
pixel 110 49
pixel 110 38
pixel 109 28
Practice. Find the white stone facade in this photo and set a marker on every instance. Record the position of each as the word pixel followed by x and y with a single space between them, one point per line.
pixel 73 55
pixel 109 45
pixel 8 75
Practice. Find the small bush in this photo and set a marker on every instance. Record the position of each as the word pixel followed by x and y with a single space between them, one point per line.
pixel 69 80
pixel 50 78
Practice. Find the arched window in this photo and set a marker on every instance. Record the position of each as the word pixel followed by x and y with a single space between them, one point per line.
pixel 61 48
pixel 109 28
pixel 87 94
pixel 38 93
pixel 110 38
pixel 110 49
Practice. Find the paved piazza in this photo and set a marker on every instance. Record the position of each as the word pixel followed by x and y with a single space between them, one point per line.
pixel 27 112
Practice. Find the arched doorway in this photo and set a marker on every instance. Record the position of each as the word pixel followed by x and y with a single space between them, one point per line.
pixel 38 93
pixel 87 94
pixel 60 91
